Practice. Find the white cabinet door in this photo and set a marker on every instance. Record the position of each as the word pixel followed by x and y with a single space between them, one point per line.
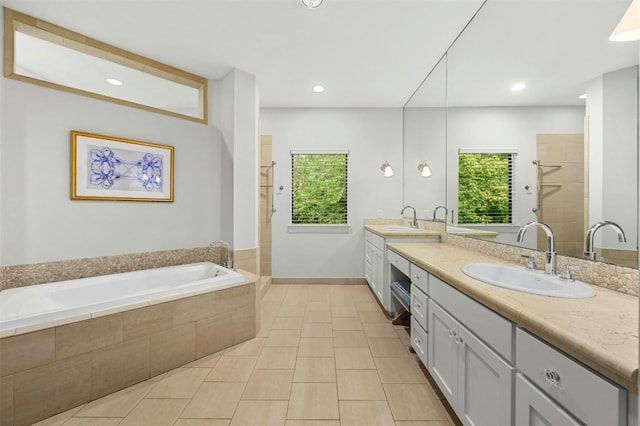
pixel 484 383
pixel 377 275
pixel 443 352
pixel 534 408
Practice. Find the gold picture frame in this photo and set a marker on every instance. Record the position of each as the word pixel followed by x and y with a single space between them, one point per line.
pixel 107 168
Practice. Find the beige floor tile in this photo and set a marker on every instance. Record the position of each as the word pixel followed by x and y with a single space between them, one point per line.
pixel 232 369
pixel 269 385
pixel 155 412
pixel 344 311
pixel 315 347
pixel 354 359
pixel 423 423
pixel 291 311
pixel 267 413
pixel 373 317
pixel 392 370
pixel 386 347
pixel 287 323
pixel 277 357
pixel 202 422
pixel 319 305
pixel 180 383
pixel 372 306
pixel 117 404
pixel 347 323
pixel 379 330
pixel 313 401
pixel 315 370
pixel 414 402
pixel 317 330
pixel 249 348
pixel 283 338
pixel 208 361
pixel 365 413
pixel 317 316
pixel 58 419
pixel 359 385
pixel 214 401
pixel 350 339
pixel 93 421
pixel 312 423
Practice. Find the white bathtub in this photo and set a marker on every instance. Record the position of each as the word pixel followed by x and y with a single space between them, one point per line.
pixel 36 307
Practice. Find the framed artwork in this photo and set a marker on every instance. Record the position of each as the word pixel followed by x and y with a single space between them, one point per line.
pixel 116 169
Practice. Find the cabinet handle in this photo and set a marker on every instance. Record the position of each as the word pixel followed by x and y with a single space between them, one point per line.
pixel 452 334
pixel 458 340
pixel 417 305
pixel 416 277
pixel 417 340
pixel 551 376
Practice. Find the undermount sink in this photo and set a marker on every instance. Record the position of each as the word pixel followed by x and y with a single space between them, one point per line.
pixel 520 279
pixel 401 229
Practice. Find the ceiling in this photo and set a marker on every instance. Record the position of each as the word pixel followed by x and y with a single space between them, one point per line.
pixel 367 53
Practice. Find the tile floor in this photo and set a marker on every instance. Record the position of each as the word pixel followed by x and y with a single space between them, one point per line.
pixel 324 356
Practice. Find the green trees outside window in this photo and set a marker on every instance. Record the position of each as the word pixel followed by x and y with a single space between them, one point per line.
pixel 319 183
pixel 485 188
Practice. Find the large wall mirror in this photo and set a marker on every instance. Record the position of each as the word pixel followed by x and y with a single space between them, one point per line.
pixel 539 96
pixel 424 146
pixel 44 54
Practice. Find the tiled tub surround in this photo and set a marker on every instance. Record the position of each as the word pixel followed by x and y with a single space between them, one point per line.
pixel 601 332
pixel 49 371
pixel 48 272
pixel 617 278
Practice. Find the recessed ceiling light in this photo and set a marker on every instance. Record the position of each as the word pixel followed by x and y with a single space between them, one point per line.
pixel 518 87
pixel 312 4
pixel 318 88
pixel 114 81
pixel 583 96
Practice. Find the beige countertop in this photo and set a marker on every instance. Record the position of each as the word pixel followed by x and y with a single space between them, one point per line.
pixel 383 231
pixel 601 332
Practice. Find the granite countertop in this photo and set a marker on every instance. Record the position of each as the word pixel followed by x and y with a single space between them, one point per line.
pixel 384 231
pixel 601 332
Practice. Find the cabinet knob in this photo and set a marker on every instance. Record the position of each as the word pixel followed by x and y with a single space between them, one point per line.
pixel 417 305
pixel 551 376
pixel 452 334
pixel 417 340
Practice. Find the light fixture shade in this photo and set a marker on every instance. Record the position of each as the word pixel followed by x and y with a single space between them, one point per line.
pixel 424 169
pixel 386 169
pixel 628 28
pixel 312 4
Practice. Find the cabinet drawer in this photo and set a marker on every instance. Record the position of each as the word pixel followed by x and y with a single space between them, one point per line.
pixel 419 306
pixel 495 330
pixel 419 277
pixel 399 262
pixel 419 340
pixel 534 407
pixel 377 241
pixel 591 398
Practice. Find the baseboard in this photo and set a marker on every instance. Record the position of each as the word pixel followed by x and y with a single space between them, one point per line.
pixel 320 281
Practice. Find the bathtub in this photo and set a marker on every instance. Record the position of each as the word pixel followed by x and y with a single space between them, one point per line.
pixel 67 343
pixel 32 308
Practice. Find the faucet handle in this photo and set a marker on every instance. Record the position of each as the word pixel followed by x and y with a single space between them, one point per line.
pixel 566 272
pixel 531 263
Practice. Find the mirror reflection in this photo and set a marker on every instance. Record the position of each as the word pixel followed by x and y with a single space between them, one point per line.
pixel 424 145
pixel 545 109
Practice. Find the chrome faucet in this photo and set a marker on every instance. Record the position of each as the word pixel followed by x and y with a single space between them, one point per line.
pixel 550 254
pixel 227 247
pixel 591 233
pixel 414 222
pixel 435 211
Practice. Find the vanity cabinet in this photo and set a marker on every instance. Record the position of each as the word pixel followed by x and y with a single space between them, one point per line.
pixel 419 311
pixel 374 264
pixel 476 381
pixel 586 395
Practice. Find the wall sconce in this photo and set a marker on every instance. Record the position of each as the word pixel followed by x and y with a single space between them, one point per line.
pixel 424 169
pixel 386 169
pixel 628 28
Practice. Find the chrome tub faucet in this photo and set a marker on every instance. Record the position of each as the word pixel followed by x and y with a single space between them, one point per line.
pixel 227 247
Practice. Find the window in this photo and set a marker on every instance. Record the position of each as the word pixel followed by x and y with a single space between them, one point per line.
pixel 319 187
pixel 486 187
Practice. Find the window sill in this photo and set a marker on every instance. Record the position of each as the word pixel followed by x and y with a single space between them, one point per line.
pixel 319 229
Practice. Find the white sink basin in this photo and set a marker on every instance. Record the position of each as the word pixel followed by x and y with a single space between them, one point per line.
pixel 520 279
pixel 401 229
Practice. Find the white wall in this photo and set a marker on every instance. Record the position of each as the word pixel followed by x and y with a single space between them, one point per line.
pixel 41 223
pixel 372 136
pixel 508 127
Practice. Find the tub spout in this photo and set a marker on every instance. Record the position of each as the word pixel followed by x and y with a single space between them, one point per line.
pixel 219 243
